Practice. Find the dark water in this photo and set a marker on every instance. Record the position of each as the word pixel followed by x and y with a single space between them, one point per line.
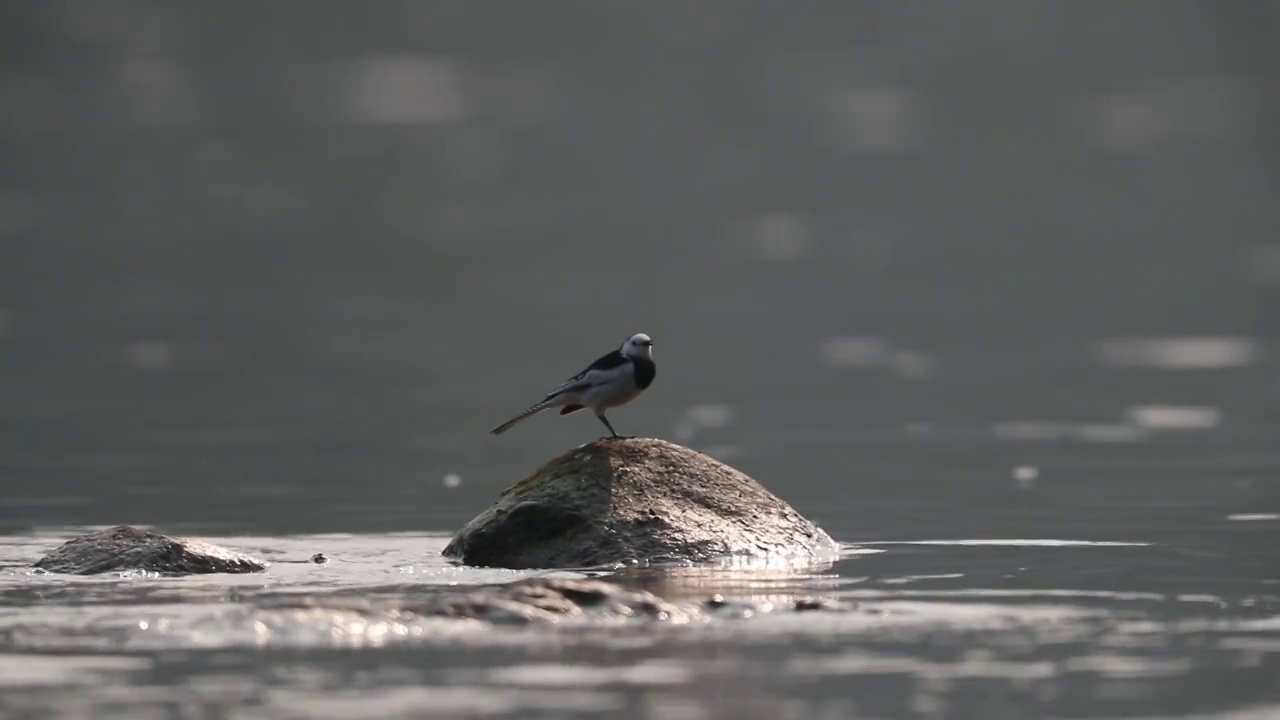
pixel 942 628
pixel 989 290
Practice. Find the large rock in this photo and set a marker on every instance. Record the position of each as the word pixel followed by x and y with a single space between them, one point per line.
pixel 128 548
pixel 635 500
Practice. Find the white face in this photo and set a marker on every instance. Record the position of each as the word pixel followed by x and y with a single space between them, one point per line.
pixel 638 345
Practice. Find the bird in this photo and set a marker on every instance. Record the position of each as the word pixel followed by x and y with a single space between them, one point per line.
pixel 615 378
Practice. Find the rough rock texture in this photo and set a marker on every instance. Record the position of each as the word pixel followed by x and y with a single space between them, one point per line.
pixel 634 500
pixel 128 548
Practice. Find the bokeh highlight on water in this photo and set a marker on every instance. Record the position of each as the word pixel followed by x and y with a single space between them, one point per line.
pixel 999 272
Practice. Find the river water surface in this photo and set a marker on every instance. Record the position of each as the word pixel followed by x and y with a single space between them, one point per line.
pixel 1135 613
pixel 988 290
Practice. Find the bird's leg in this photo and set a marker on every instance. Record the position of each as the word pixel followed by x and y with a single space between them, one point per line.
pixel 605 420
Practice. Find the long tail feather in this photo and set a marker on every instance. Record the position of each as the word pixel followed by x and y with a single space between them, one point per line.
pixel 544 405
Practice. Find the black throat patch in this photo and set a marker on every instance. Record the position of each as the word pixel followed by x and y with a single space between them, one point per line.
pixel 646 370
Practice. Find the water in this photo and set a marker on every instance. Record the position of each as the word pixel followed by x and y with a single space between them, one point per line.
pixel 987 291
pixel 937 628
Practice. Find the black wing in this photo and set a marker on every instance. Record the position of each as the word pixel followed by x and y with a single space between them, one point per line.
pixel 609 361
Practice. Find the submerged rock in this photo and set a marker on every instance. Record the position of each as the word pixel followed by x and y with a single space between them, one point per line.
pixel 528 601
pixel 357 616
pixel 546 599
pixel 129 548
pixel 634 500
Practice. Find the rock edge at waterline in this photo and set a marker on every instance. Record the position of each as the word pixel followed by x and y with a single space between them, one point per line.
pixel 125 547
pixel 635 500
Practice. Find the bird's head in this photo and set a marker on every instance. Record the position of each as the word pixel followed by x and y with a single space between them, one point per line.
pixel 638 346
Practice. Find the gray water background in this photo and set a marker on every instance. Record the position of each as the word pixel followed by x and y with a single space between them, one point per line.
pixel 931 272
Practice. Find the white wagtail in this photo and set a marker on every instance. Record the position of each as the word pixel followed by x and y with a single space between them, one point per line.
pixel 614 379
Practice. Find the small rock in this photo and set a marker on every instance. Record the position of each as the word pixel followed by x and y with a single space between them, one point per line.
pixel 817 603
pixel 125 547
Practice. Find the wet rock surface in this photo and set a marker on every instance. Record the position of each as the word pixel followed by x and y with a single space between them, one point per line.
pixel 125 547
pixel 635 500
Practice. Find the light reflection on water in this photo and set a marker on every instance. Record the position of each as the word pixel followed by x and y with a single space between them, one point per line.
pixel 919 623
